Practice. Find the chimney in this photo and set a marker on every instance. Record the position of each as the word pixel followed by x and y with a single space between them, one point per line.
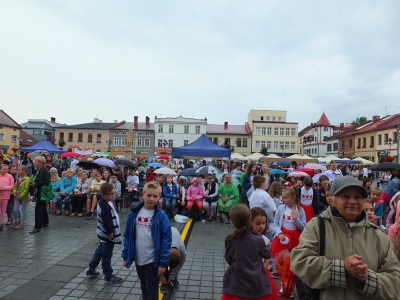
pixel 135 122
pixel 147 120
pixel 341 124
pixel 225 125
pixel 353 124
pixel 115 121
pixel 96 120
pixel 53 120
pixel 375 118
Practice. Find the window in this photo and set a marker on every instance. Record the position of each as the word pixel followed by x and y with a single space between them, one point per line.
pixel 281 145
pixel 288 131
pixel 263 130
pixel 37 132
pixel 123 142
pixel 116 142
pixel 287 145
pixel 350 143
pixel 147 142
pixel 267 118
pixel 262 144
pixel 269 144
pixel 14 138
pixel 262 118
pixel 171 129
pixel 160 128
pixel 275 145
pixel 269 131
pixel 359 142
pixel 139 142
pixel 257 130
pixel 90 138
pixel 227 141
pixel 293 146
pixel 335 147
pixel 70 137
pixel 364 141
pixel 239 142
pixel 386 136
pixel 197 129
pixel 185 142
pixel 273 118
pixel 279 119
pixel 276 130
pixel 329 147
pixel 380 139
pixel 326 129
pixel 61 136
pixel 159 143
pixel 80 137
pixel 293 131
pixel 372 140
pixel 257 144
pixel 1 136
pixel 215 140
pixel 315 139
pixel 245 142
pixel 170 143
pixel 186 129
pixel 282 131
pixel 98 138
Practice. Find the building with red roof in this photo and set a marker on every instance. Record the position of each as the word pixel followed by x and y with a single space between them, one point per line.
pixel 10 132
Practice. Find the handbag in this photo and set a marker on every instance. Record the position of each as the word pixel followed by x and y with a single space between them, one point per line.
pixel 46 194
pixel 314 293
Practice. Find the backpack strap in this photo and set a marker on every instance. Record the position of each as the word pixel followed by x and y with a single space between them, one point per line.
pixel 321 235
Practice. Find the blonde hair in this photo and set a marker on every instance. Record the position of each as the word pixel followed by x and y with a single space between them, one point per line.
pixel 152 185
pixel 40 159
pixel 70 170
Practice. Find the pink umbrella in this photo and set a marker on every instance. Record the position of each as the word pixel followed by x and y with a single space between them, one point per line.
pixel 298 174
pixel 70 154
pixel 315 166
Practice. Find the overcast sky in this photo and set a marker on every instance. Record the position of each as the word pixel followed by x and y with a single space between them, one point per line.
pixel 76 60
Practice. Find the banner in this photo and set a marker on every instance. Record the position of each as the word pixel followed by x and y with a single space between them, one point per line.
pixel 87 152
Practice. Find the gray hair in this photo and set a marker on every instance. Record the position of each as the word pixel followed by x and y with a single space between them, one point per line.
pixel 53 170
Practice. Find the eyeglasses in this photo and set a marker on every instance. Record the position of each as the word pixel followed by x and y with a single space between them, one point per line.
pixel 110 194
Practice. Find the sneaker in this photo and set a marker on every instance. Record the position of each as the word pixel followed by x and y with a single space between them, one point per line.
pixel 67 212
pixel 274 275
pixel 112 279
pixel 79 215
pixel 175 283
pixel 19 226
pixel 73 214
pixel 89 216
pixel 9 221
pixel 14 224
pixel 35 230
pixel 92 274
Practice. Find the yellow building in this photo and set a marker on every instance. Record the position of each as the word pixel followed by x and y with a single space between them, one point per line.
pixel 271 130
pixel 9 133
pixel 234 137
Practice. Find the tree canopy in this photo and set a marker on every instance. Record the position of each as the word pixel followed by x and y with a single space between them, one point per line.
pixel 360 120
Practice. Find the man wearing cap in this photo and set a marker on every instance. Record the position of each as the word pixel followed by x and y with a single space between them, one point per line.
pixel 358 261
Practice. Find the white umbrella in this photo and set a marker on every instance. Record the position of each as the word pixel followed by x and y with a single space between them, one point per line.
pixel 237 156
pixel 364 161
pixel 315 166
pixel 271 157
pixel 165 171
pixel 254 156
pixel 38 153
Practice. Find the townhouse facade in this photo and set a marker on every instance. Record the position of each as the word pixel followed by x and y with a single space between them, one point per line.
pixel 10 132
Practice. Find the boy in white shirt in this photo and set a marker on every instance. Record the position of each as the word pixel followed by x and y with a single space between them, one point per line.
pixel 260 198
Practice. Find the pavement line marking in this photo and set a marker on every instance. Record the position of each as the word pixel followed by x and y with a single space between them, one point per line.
pixel 185 239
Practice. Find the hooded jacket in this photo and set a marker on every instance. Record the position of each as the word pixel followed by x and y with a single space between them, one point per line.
pixel 195 192
pixel 327 272
pixel 161 233
pixel 394 229
pixel 23 184
pixel 389 219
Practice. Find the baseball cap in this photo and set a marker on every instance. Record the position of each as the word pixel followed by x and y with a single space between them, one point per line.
pixel 341 183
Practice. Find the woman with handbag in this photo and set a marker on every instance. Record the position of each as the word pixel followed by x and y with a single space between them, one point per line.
pixel 41 179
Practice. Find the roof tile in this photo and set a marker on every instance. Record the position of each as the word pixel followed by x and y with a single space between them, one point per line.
pixel 6 120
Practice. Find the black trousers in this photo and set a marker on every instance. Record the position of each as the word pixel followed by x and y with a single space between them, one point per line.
pixel 41 215
pixel 148 281
pixel 77 203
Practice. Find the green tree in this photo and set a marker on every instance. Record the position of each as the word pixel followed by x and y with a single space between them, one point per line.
pixel 61 143
pixel 360 120
pixel 264 150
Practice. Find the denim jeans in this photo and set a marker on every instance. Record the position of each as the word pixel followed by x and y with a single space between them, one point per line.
pixel 67 202
pixel 170 205
pixel 148 281
pixel 104 253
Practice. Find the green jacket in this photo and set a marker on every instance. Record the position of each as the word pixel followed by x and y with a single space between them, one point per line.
pixel 23 189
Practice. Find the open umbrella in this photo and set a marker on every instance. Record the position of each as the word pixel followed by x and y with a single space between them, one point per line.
pixel 283 163
pixel 165 171
pixel 310 172
pixel 234 179
pixel 207 169
pixel 385 166
pixel 315 166
pixel 286 276
pixel 87 165
pixel 156 165
pixel 126 162
pixel 189 172
pixel 105 162
pixel 70 154
pixel 298 174
pixel 277 172
pixel 330 175
pixel 38 153
pixel 163 157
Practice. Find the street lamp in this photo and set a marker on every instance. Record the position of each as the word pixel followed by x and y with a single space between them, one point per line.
pixel 306 140
pixel 283 150
pixel 391 142
pixel 343 147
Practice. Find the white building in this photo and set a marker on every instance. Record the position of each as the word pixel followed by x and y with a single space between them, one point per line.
pixel 177 132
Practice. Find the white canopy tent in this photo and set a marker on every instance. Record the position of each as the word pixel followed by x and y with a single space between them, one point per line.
pixel 236 156
pixel 364 161
pixel 255 156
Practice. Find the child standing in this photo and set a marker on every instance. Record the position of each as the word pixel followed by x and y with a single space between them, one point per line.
pixel 290 220
pixel 21 194
pixel 6 185
pixel 147 240
pixel 132 183
pixel 108 232
pixel 308 199
pixel 258 225
pixel 275 191
pixel 260 198
pixel 246 275
pixel 377 202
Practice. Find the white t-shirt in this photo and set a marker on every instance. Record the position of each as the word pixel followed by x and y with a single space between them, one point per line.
pixel 144 241
pixel 132 181
pixel 365 172
pixel 306 196
pixel 260 198
pixel 288 222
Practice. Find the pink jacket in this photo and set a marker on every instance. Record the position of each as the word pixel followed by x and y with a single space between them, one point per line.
pixel 6 181
pixel 392 211
pixel 195 192
pixel 394 229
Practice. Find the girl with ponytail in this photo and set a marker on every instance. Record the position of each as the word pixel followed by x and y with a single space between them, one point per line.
pixel 244 250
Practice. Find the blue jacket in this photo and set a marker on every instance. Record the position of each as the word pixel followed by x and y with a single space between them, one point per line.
pixel 167 193
pixel 64 182
pixel 161 232
pixel 393 187
pixel 246 183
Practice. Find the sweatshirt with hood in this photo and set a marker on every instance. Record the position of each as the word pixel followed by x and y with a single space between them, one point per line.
pixel 395 228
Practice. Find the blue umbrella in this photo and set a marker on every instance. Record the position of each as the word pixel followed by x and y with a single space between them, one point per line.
pixel 277 172
pixel 155 165
pixel 283 163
